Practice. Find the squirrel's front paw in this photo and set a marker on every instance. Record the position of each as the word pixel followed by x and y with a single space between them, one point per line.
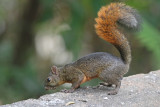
pixel 67 91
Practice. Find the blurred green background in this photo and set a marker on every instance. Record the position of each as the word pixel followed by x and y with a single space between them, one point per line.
pixel 36 34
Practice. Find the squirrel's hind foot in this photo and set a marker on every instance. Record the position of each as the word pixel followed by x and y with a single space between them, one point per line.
pixel 105 84
pixel 115 91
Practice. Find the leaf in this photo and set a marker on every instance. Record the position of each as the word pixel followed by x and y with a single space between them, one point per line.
pixel 69 103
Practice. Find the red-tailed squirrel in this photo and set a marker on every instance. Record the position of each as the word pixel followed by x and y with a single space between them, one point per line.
pixel 102 65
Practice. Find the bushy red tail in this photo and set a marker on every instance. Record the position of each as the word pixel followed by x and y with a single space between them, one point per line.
pixel 109 17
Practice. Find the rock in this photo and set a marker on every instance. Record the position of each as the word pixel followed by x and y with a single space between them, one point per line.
pixel 141 90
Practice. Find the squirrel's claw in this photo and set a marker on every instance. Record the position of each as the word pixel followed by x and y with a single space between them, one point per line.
pixel 67 91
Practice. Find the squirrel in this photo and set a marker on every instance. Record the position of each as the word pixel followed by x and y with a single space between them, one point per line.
pixel 102 65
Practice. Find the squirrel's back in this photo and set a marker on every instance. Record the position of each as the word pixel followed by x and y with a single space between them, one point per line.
pixel 93 64
pixel 110 18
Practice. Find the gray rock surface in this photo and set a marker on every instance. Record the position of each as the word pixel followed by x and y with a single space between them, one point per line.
pixel 141 90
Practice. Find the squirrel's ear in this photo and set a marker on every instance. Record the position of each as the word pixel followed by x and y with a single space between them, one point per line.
pixel 54 70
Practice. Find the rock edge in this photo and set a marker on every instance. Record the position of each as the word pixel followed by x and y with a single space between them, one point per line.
pixel 141 90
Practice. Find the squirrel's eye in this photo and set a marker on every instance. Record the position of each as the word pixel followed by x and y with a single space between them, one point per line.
pixel 48 80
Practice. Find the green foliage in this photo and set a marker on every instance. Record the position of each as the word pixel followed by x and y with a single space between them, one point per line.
pixel 74 36
pixel 150 38
pixel 47 10
pixel 20 82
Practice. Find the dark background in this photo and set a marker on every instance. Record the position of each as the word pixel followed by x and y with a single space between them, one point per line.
pixel 36 34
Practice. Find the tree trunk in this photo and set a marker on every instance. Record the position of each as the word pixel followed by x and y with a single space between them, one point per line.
pixel 25 35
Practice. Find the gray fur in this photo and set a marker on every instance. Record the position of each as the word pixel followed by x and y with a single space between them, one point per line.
pixel 130 18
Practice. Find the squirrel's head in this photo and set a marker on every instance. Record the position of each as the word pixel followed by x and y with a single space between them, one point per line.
pixel 53 79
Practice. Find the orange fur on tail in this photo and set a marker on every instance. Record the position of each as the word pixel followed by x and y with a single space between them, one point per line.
pixel 106 26
pixel 109 17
